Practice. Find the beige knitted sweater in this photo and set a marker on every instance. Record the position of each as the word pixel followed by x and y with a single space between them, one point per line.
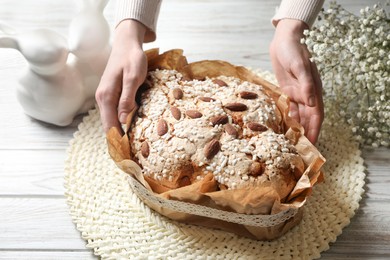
pixel 146 12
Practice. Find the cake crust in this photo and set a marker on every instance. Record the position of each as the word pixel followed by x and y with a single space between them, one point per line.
pixel 186 129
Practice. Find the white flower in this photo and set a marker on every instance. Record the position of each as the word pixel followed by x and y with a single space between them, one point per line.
pixel 352 54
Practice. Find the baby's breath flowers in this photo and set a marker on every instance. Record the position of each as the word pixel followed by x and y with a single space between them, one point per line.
pixel 352 53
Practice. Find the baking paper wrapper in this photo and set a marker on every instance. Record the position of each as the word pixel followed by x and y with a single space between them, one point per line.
pixel 256 212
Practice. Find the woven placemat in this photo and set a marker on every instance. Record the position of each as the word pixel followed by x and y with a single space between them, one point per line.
pixel 117 225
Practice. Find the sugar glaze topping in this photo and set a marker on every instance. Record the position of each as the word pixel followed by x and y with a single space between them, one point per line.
pixel 207 116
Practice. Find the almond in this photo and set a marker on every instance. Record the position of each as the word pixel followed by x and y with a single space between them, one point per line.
pixel 145 149
pixel 212 148
pixel 257 127
pixel 248 95
pixel 220 82
pixel 177 93
pixel 231 130
pixel 219 120
pixel 176 113
pixel 162 127
pixel 194 113
pixel 256 169
pixel 207 99
pixel 236 106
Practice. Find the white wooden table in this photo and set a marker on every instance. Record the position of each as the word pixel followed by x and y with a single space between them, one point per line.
pixel 34 219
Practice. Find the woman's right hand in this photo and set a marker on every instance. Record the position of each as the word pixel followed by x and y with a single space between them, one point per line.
pixel 297 76
pixel 125 71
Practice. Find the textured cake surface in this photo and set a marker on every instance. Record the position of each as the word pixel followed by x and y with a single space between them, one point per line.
pixel 186 129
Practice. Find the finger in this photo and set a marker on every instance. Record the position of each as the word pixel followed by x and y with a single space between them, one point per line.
pixel 316 113
pixel 127 98
pixel 303 72
pixel 107 100
pixel 109 119
pixel 318 86
pixel 302 115
pixel 314 124
pixel 294 111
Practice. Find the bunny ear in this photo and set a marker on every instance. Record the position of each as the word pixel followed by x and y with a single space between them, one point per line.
pixel 82 4
pixel 101 4
pixel 91 4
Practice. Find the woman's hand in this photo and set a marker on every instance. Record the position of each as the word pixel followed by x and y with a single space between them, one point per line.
pixel 297 76
pixel 125 71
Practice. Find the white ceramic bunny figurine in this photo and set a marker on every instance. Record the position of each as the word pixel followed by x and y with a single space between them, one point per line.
pixel 89 41
pixel 61 81
pixel 49 90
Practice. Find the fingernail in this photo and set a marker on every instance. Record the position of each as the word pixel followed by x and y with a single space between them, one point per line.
pixel 312 137
pixel 312 101
pixel 123 117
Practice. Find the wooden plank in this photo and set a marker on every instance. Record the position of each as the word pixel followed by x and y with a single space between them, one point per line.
pixel 33 135
pixel 367 235
pixel 19 132
pixel 31 172
pixel 377 162
pixel 354 257
pixel 47 255
pixel 37 223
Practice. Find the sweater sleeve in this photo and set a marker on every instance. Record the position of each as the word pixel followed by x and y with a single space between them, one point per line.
pixel 144 11
pixel 304 10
